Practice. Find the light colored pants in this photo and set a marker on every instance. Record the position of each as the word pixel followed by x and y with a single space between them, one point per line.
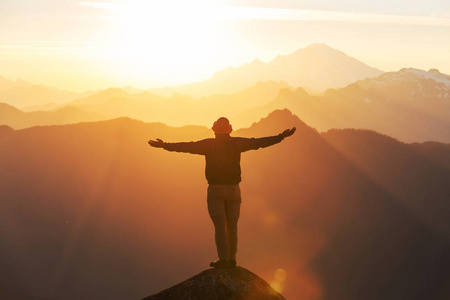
pixel 224 205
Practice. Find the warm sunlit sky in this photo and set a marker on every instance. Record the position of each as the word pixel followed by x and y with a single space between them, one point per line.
pixel 80 45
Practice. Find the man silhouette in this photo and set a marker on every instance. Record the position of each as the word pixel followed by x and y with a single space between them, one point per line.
pixel 223 173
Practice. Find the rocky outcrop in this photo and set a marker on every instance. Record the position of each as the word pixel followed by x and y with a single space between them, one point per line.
pixel 220 284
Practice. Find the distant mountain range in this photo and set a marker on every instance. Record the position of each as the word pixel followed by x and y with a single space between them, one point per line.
pixel 178 110
pixel 90 211
pixel 18 119
pixel 317 67
pixel 28 96
pixel 411 105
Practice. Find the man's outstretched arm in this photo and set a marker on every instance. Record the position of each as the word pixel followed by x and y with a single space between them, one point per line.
pixel 199 147
pixel 253 144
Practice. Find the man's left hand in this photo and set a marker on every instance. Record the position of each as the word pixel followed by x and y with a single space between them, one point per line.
pixel 157 144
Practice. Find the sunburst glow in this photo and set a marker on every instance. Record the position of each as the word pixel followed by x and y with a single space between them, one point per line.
pixel 173 31
pixel 167 35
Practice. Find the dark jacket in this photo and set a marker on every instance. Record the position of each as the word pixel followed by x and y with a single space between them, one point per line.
pixel 223 154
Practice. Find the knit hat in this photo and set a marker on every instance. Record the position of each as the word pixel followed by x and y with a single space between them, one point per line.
pixel 222 126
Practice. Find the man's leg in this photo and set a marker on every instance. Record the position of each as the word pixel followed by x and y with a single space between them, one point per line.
pixel 216 209
pixel 233 208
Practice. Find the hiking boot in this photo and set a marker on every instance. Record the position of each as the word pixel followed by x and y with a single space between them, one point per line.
pixel 220 264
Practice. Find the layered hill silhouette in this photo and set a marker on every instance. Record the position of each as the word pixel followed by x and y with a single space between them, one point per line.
pixel 176 110
pixel 411 105
pixel 317 67
pixel 90 211
pixel 236 283
pixel 18 119
pixel 28 96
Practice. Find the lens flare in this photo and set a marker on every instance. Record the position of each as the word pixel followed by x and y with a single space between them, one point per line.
pixel 277 286
pixel 280 275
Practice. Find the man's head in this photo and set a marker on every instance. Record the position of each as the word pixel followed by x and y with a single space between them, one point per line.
pixel 222 126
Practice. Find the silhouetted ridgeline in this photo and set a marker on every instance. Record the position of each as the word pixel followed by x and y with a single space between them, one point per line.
pixel 90 211
pixel 113 103
pixel 237 283
pixel 18 119
pixel 317 67
pixel 411 105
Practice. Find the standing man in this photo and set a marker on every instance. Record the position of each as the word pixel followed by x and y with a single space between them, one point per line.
pixel 223 173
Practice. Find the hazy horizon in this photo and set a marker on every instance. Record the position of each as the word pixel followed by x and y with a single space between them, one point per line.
pixel 88 45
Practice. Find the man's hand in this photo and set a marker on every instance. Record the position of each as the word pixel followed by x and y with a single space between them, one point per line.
pixel 288 132
pixel 157 144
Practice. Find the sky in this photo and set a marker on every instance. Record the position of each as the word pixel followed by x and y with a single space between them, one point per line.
pixel 84 45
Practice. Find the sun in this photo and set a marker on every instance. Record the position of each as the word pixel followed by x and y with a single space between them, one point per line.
pixel 170 33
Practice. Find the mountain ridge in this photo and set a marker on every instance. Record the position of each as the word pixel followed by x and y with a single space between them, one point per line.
pixel 27 96
pixel 181 109
pixel 18 119
pixel 411 105
pixel 298 69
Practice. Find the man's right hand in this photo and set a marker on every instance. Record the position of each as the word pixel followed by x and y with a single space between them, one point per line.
pixel 157 144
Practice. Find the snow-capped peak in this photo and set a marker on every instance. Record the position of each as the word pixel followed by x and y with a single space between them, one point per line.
pixel 408 75
pixel 433 74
